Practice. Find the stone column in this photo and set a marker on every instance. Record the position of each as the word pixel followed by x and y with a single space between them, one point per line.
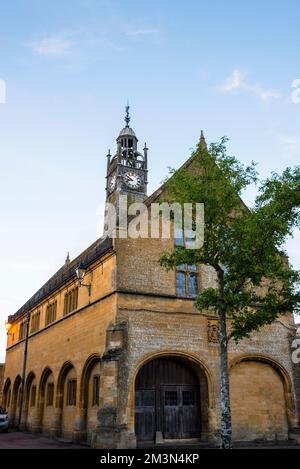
pixel 79 430
pixel 111 432
pixel 106 432
pixel 55 429
pixel 36 424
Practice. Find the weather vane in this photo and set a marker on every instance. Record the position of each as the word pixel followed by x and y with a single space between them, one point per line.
pixel 127 117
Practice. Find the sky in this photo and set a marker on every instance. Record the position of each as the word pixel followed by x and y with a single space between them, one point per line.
pixel 67 69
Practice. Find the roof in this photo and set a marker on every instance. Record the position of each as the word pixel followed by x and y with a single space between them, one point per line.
pixel 65 274
pixel 127 131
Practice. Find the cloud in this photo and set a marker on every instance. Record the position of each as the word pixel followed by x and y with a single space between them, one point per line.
pixel 237 81
pixel 142 31
pixel 51 46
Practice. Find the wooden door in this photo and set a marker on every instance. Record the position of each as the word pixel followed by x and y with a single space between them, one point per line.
pixel 167 400
pixel 180 407
pixel 145 414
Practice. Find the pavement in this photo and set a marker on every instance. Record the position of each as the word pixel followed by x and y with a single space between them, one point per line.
pixel 23 440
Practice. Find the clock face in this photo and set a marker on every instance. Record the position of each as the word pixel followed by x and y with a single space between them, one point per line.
pixel 132 180
pixel 112 183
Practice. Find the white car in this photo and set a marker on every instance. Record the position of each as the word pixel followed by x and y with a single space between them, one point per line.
pixel 3 421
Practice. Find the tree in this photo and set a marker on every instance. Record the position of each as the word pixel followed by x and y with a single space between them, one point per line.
pixel 255 283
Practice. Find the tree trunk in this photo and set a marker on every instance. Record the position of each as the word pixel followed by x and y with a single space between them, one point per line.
pixel 226 427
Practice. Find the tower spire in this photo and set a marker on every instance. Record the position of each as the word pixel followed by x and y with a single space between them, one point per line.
pixel 127 116
pixel 202 142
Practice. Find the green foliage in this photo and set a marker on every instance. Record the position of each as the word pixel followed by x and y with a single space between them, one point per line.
pixel 256 285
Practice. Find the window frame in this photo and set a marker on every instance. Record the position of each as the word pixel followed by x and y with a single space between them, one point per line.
pixel 51 312
pixel 50 395
pixel 71 392
pixel 33 395
pixel 96 391
pixel 188 271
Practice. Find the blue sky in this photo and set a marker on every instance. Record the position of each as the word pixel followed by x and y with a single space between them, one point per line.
pixel 70 66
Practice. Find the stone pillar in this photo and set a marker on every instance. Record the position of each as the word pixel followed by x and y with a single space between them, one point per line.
pixel 213 434
pixel 79 430
pixel 36 423
pixel 106 433
pixel 24 417
pixel 55 429
pixel 111 432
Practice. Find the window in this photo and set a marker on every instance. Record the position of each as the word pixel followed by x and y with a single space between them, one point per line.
pixel 187 280
pixel 35 322
pixel 71 301
pixel 188 398
pixel 22 330
pixel 50 395
pixel 171 398
pixel 32 396
pixel 71 394
pixel 51 313
pixel 96 390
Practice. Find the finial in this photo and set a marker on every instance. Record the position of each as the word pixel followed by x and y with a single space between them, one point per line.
pixel 127 116
pixel 108 154
pixel 202 142
pixel 68 259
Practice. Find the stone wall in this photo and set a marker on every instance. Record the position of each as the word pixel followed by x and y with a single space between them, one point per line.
pixel 2 366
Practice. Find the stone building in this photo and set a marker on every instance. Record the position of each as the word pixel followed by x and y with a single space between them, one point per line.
pixel 1 380
pixel 125 357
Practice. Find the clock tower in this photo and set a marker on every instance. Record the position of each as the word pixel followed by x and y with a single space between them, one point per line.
pixel 127 169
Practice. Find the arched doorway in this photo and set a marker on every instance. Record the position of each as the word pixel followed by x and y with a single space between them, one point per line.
pixel 15 401
pixel 168 400
pixel 7 395
pixel 90 396
pixel 30 400
pixel 46 400
pixel 67 399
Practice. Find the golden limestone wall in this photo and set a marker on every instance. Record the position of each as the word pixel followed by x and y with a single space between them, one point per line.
pixel 1 380
pixel 258 402
pixel 161 324
pixel 135 316
pixel 60 353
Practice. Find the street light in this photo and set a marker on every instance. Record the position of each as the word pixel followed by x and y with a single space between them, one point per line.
pixel 7 326
pixel 80 274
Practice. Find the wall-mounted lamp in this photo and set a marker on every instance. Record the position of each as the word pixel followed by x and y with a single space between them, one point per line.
pixel 8 327
pixel 80 274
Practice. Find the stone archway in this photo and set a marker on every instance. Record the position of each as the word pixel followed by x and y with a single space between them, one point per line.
pixel 15 401
pixel 29 400
pixel 46 401
pixel 171 399
pixel 89 396
pixel 261 399
pixel 7 395
pixel 66 402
